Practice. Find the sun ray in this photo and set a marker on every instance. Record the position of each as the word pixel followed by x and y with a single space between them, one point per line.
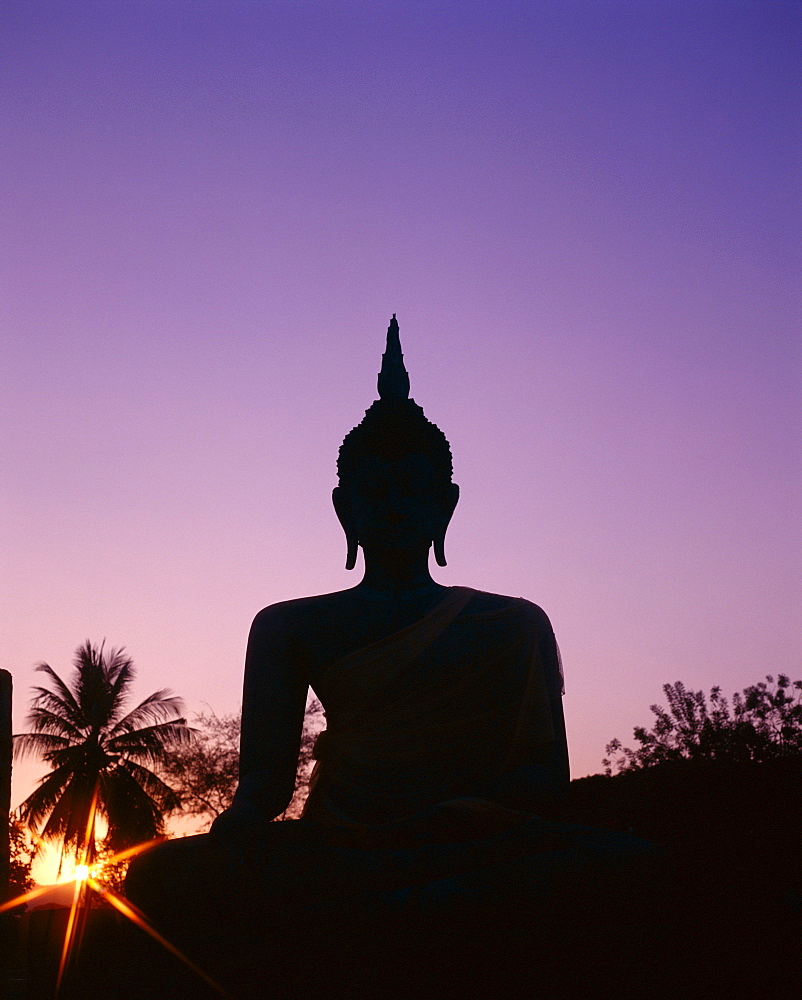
pixel 74 932
pixel 85 879
pixel 132 852
pixel 89 835
pixel 138 919
pixel 77 918
pixel 26 897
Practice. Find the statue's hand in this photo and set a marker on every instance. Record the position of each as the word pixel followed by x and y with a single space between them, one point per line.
pixel 259 798
pixel 240 823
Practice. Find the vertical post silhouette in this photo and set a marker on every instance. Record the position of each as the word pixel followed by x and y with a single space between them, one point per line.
pixel 5 778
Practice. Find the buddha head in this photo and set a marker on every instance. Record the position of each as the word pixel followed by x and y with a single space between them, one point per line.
pixel 395 493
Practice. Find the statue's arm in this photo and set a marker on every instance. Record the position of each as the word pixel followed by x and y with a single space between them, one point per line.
pixel 273 705
pixel 536 784
pixel 554 682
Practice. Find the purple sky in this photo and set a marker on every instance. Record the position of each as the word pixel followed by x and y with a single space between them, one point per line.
pixel 587 218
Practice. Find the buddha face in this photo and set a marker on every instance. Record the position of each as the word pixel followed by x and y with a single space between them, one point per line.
pixel 396 505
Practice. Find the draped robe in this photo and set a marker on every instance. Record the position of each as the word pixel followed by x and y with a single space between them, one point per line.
pixel 428 718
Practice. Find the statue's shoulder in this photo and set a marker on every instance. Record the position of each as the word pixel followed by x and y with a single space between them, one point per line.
pixel 305 613
pixel 312 632
pixel 483 601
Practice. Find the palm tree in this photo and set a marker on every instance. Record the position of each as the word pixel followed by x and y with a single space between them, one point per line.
pixel 100 757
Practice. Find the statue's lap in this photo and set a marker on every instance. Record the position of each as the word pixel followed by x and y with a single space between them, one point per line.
pixel 298 866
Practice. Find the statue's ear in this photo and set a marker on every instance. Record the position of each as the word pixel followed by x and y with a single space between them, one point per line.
pixel 342 508
pixel 439 540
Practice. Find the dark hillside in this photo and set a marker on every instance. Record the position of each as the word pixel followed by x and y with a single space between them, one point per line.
pixel 733 835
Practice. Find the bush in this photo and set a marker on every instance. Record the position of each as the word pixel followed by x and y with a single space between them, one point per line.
pixel 764 723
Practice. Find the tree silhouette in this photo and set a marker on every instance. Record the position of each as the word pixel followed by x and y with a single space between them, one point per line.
pixel 101 757
pixel 205 771
pixel 314 721
pixel 19 879
pixel 764 723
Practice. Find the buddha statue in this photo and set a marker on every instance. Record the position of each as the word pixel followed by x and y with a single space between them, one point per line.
pixel 444 751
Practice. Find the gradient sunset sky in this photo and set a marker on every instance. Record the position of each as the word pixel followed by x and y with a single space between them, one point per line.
pixel 586 216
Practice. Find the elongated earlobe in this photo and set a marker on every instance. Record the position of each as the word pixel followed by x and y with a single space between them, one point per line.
pixel 439 540
pixel 342 508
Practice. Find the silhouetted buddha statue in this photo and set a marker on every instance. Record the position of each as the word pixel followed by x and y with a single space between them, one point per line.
pixel 432 694
pixel 445 743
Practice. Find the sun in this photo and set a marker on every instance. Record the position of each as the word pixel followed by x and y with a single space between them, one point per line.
pixel 85 881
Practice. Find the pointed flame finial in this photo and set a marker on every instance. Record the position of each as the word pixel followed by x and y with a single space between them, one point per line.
pixel 393 378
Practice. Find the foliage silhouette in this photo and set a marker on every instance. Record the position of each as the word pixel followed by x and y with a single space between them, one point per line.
pixel 205 771
pixel 96 749
pixel 764 723
pixel 20 879
pixel 314 721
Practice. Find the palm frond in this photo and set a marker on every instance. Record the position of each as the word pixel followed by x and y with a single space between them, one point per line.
pixel 44 797
pixel 69 818
pixel 166 797
pixel 81 758
pixel 152 744
pixel 39 744
pixel 161 706
pixel 45 720
pixel 92 685
pixel 62 692
pixel 133 814
pixel 121 675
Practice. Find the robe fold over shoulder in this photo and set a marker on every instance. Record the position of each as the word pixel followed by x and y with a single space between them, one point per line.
pixel 421 722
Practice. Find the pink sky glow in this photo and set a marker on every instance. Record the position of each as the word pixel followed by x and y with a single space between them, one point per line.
pixel 587 218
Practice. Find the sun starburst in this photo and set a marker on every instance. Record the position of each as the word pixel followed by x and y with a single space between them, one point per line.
pixel 85 880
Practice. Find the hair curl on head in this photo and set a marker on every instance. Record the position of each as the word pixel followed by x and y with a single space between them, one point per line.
pixel 390 429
